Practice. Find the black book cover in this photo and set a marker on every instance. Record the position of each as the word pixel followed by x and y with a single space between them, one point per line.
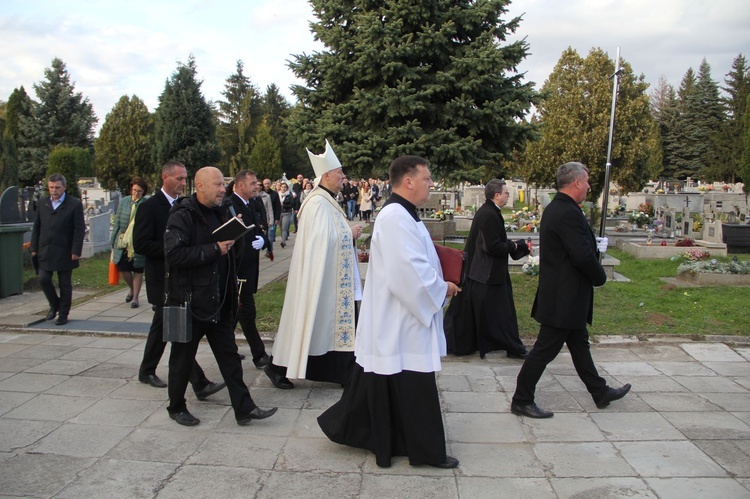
pixel 231 230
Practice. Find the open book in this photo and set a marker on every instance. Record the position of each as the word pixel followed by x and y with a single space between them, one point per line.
pixel 231 230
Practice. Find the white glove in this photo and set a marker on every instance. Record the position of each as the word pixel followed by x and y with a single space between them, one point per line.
pixel 258 243
pixel 601 244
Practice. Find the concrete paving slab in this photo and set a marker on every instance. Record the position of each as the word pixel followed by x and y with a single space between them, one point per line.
pixel 730 369
pixel 661 384
pixel 483 428
pixel 117 412
pixel 302 484
pixel 213 481
pixel 259 452
pixel 119 479
pixel 20 475
pixel 82 386
pixel 31 383
pixel 662 353
pixel 616 354
pixel 78 440
pixel 669 459
pixel 473 402
pixel 563 428
pixel 628 368
pixel 679 488
pixel 677 402
pixel 511 460
pixel 416 487
pixel 739 402
pixel 635 426
pixel 8 349
pixel 732 455
pixel 601 488
pixel 306 425
pixel 67 367
pixel 709 384
pixel 15 365
pixel 94 354
pixel 498 488
pixel 711 352
pixel 11 400
pixel 159 445
pixel 46 407
pixel 317 454
pixel 18 434
pixel 44 351
pixel 582 459
pixel 683 368
pixel 708 425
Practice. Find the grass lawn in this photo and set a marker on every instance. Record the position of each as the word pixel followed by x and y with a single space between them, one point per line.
pixel 644 306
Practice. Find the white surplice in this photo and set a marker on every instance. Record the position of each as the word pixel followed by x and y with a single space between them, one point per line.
pixel 401 316
pixel 323 284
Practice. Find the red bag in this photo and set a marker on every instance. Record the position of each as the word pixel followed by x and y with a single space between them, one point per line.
pixel 114 274
pixel 452 263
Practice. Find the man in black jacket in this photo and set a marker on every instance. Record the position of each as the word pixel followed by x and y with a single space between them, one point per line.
pixel 569 269
pixel 148 240
pixel 200 272
pixel 242 201
pixel 57 244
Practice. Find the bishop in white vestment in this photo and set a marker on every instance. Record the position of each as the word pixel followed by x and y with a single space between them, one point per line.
pixel 390 404
pixel 316 333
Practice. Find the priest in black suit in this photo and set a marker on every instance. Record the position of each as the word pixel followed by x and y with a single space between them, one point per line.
pixel 148 240
pixel 569 269
pixel 245 188
pixel 57 244
pixel 483 316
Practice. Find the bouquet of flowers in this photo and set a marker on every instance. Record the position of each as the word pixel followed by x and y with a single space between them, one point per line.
pixel 696 254
pixel 531 267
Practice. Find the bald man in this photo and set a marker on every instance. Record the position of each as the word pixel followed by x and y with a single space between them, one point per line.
pixel 200 271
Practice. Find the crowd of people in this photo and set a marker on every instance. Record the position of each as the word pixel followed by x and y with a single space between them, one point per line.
pixel 382 342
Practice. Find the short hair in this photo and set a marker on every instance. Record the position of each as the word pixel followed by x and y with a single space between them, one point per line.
pixel 404 165
pixel 569 173
pixel 493 187
pixel 171 165
pixel 140 183
pixel 243 174
pixel 58 177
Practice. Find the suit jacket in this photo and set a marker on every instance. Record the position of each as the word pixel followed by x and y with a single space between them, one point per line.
pixel 569 267
pixel 276 204
pixel 148 240
pixel 248 262
pixel 488 247
pixel 58 234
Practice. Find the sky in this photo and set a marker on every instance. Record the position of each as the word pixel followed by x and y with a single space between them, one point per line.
pixel 115 47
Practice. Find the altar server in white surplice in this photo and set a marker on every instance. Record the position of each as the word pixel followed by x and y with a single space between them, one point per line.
pixel 315 340
pixel 390 404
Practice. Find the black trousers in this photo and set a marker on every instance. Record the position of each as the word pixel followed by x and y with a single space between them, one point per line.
pixel 65 281
pixel 548 344
pixel 220 337
pixel 154 349
pixel 246 318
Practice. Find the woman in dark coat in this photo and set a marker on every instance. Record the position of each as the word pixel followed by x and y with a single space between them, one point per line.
pixel 129 263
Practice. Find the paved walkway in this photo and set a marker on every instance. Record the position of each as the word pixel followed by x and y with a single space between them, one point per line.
pixel 75 422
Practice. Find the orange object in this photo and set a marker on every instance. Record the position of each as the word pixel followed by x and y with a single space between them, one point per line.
pixel 114 274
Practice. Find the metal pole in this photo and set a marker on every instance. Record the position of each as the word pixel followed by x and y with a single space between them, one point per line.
pixel 608 167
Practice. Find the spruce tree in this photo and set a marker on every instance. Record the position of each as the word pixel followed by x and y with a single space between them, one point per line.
pixel 265 157
pixel 184 122
pixel 574 116
pixel 239 116
pixel 729 142
pixel 396 77
pixel 61 117
pixel 125 146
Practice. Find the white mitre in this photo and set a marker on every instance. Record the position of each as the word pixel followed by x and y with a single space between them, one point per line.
pixel 324 163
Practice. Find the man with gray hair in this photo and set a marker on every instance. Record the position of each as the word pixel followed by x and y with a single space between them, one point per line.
pixel 569 269
pixel 57 244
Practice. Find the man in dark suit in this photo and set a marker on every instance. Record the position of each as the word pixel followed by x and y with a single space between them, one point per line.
pixel 57 244
pixel 275 211
pixel 569 269
pixel 483 316
pixel 148 240
pixel 245 190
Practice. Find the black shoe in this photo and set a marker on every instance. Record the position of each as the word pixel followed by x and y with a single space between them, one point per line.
pixel 61 320
pixel 51 314
pixel 611 395
pixel 185 418
pixel 450 462
pixel 242 356
pixel 152 379
pixel 530 411
pixel 262 361
pixel 277 379
pixel 283 244
pixel 518 355
pixel 256 413
pixel 209 389
pixel 134 304
pixel 128 298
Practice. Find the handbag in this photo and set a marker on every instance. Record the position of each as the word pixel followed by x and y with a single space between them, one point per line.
pixel 452 263
pixel 120 242
pixel 178 323
pixel 114 274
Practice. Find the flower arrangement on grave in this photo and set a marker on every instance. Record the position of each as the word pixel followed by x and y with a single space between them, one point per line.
pixel 685 242
pixel 363 256
pixel 697 223
pixel 643 215
pixel 438 215
pixel 696 254
pixel 531 267
pixel 726 187
pixel 705 188
pixel 660 191
pixel 714 267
